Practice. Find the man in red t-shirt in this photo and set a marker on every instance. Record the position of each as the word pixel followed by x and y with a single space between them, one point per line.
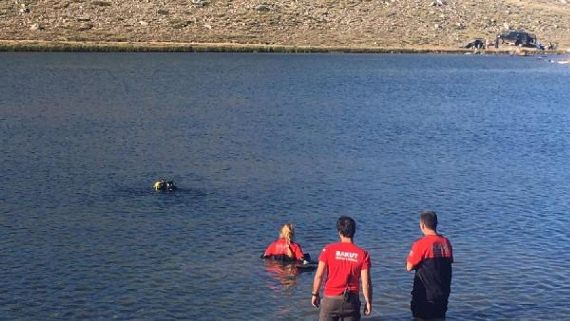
pixel 345 265
pixel 431 256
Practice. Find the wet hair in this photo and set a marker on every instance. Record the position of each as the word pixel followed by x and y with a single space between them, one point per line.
pixel 287 232
pixel 346 226
pixel 429 219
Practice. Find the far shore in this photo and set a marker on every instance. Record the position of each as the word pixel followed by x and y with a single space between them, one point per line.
pixel 106 46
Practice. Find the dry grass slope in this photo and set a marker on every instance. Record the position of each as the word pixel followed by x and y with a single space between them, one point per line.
pixel 412 24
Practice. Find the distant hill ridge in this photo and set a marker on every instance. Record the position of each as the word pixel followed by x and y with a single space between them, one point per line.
pixel 348 23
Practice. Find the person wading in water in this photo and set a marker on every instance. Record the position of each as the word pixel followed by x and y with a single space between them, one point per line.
pixel 431 257
pixel 345 265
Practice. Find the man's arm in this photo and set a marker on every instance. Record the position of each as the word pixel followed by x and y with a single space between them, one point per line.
pixel 366 290
pixel 414 257
pixel 315 295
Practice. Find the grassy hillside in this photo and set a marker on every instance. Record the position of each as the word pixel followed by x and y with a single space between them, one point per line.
pixel 343 23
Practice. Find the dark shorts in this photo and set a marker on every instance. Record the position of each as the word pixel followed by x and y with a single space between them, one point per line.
pixel 428 310
pixel 339 309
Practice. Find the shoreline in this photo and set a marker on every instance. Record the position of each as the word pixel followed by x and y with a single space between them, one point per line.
pixel 110 46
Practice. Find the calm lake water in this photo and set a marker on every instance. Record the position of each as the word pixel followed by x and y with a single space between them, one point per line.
pixel 258 140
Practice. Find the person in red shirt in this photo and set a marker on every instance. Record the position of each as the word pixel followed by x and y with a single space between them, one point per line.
pixel 285 248
pixel 345 266
pixel 431 257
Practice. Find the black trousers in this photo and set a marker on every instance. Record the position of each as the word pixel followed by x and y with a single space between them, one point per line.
pixel 428 310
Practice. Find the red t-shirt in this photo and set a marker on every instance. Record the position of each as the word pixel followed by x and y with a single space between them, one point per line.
pixel 431 257
pixel 280 246
pixel 430 247
pixel 344 262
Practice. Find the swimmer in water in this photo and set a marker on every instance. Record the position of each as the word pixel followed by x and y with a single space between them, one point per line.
pixel 285 248
pixel 162 185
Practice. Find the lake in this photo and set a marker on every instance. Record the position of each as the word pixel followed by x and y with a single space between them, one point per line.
pixel 257 140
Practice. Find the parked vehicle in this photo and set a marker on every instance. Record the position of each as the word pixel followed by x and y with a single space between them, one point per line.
pixel 520 38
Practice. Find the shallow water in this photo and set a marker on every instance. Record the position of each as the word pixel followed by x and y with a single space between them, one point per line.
pixel 254 141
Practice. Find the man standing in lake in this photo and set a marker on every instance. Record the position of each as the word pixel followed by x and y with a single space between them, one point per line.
pixel 345 265
pixel 431 256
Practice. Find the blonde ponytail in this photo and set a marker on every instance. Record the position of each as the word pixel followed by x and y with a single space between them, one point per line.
pixel 287 232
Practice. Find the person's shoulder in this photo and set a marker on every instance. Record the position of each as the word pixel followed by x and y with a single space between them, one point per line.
pixel 273 244
pixel 364 251
pixel 356 248
pixel 424 242
pixel 360 248
pixel 434 239
pixel 328 247
pixel 443 237
pixel 420 240
pixel 277 241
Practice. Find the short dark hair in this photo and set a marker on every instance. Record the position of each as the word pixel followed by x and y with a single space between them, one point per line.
pixel 346 226
pixel 429 219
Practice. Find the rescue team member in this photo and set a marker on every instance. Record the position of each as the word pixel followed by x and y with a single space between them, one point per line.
pixel 431 256
pixel 285 248
pixel 345 264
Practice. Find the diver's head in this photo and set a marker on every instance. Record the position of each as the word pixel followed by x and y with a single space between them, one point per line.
pixel 159 185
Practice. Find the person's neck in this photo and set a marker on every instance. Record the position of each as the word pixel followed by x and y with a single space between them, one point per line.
pixel 344 239
pixel 428 232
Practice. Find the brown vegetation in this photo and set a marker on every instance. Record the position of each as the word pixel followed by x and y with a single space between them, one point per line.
pixel 411 24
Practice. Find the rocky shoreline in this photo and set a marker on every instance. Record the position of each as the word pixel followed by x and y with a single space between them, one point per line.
pixel 90 46
pixel 276 26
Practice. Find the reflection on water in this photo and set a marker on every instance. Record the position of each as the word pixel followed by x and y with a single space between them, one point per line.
pixel 285 273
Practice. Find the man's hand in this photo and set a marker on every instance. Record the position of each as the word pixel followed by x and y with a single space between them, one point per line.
pixel 316 300
pixel 367 308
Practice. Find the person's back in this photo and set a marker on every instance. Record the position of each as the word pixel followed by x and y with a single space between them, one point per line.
pixel 431 257
pixel 432 281
pixel 345 266
pixel 285 248
pixel 343 260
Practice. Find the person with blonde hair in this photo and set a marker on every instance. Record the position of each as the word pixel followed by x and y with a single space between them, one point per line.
pixel 285 248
